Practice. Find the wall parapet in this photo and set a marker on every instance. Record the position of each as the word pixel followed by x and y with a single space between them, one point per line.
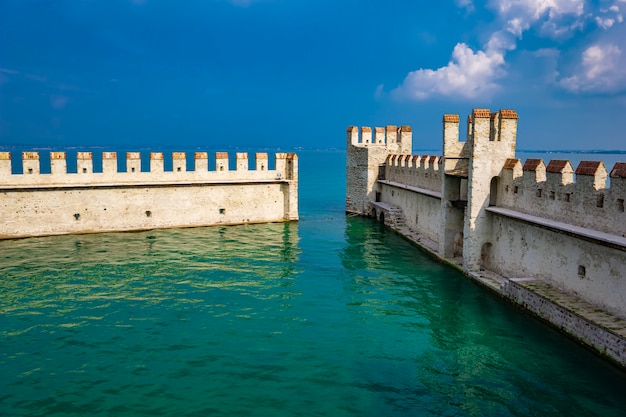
pixel 62 202
pixel 421 171
pixel 31 175
pixel 498 217
pixel 365 160
pixel 394 138
pixel 558 192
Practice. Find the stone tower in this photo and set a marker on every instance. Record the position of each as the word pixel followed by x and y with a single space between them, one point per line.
pixel 471 181
pixel 491 138
pixel 365 156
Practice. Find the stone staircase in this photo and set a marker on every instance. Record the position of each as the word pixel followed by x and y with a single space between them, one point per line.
pixel 396 218
pixel 393 216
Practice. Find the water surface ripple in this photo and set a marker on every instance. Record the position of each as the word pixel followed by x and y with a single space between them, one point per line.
pixel 327 317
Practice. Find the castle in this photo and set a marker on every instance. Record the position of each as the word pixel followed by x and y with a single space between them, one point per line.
pixel 62 202
pixel 548 237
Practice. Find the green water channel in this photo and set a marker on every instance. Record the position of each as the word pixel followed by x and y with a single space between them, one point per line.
pixel 331 316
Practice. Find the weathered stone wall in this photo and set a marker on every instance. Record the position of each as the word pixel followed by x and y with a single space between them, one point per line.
pixel 365 158
pixel 414 170
pixel 606 341
pixel 558 192
pixel 493 215
pixel 492 138
pixel 591 269
pixel 35 204
pixel 422 212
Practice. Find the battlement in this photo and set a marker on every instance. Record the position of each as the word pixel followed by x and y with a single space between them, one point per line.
pixel 366 155
pixel 392 138
pixel 284 164
pixel 482 209
pixel 483 127
pixel 557 191
pixel 420 171
pixel 138 197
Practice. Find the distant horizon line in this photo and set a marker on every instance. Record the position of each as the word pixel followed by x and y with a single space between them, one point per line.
pixel 276 148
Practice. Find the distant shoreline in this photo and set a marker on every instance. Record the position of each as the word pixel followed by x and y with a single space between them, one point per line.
pixel 234 148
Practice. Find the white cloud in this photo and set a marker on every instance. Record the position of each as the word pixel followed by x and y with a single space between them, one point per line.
pixel 469 74
pixel 604 23
pixel 600 71
pixel 472 74
pixel 609 17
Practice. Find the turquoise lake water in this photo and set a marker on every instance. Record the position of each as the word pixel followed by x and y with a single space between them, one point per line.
pixel 329 316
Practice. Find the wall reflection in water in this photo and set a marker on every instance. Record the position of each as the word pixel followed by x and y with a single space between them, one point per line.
pixel 44 273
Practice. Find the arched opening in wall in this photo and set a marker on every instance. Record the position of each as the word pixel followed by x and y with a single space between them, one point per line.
pixel 381 217
pixel 493 191
pixel 485 255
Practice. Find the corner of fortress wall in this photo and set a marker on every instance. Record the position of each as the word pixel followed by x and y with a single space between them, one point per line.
pixel 365 158
pixel 60 202
pixel 481 208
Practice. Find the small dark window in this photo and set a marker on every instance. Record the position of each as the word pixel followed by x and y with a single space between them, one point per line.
pixel 552 195
pixel 84 170
pixel 568 196
pixel 620 204
pixel 222 211
pixel 539 192
pixel 148 213
pixel 515 189
pixel 582 271
pixel 76 216
pixel 30 170
pixel 377 197
pixel 132 170
pixel 600 201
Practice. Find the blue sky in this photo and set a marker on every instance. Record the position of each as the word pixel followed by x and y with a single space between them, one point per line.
pixel 288 73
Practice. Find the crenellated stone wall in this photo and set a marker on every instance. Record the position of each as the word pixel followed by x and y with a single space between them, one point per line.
pixel 556 191
pixel 422 171
pixel 37 204
pixel 491 214
pixel 366 155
